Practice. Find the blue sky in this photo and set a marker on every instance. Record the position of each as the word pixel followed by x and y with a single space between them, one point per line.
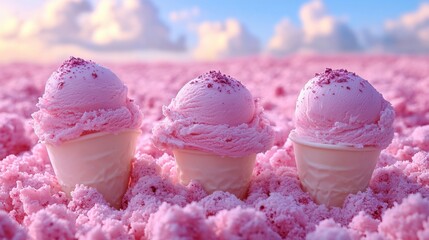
pixel 210 29
pixel 261 16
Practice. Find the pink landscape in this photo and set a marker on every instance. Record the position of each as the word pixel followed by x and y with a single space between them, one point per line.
pixel 156 206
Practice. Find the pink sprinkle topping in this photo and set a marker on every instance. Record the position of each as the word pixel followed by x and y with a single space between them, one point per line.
pixel 337 76
pixel 219 79
pixel 60 85
pixel 71 63
pixel 74 62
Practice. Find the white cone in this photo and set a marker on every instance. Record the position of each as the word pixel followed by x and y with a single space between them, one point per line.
pixel 99 160
pixel 215 172
pixel 331 172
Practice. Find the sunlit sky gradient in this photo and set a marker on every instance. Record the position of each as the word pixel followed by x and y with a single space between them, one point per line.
pixel 44 30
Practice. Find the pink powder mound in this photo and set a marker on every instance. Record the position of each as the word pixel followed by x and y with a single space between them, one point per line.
pixel 54 222
pixel 171 222
pixel 10 229
pixel 329 229
pixel 408 220
pixel 364 225
pixel 241 223
pixel 14 137
pixel 22 85
pixel 420 137
pixel 394 205
pixel 82 97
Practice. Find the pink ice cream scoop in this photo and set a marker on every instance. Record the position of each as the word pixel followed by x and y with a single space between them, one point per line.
pixel 83 97
pixel 342 124
pixel 214 128
pixel 89 127
pixel 339 107
pixel 214 113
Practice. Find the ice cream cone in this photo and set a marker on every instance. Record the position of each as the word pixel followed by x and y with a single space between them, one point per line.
pixel 100 160
pixel 331 172
pixel 215 172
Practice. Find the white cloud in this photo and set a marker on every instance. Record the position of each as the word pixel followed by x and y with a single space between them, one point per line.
pixel 409 33
pixel 287 38
pixel 58 22
pixel 130 25
pixel 224 39
pixel 184 14
pixel 320 32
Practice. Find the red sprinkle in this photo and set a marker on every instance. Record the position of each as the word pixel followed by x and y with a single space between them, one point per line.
pixel 219 79
pixel 280 91
pixel 74 62
pixel 71 63
pixel 329 76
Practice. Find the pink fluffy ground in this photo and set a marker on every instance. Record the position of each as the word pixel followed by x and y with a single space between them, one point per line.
pixel 395 206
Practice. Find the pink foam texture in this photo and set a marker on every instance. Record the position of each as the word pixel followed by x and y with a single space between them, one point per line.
pixel 240 223
pixel 395 204
pixel 15 135
pixel 10 229
pixel 407 220
pixel 171 222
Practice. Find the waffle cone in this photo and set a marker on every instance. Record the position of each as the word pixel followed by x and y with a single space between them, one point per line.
pixel 329 173
pixel 99 160
pixel 215 173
